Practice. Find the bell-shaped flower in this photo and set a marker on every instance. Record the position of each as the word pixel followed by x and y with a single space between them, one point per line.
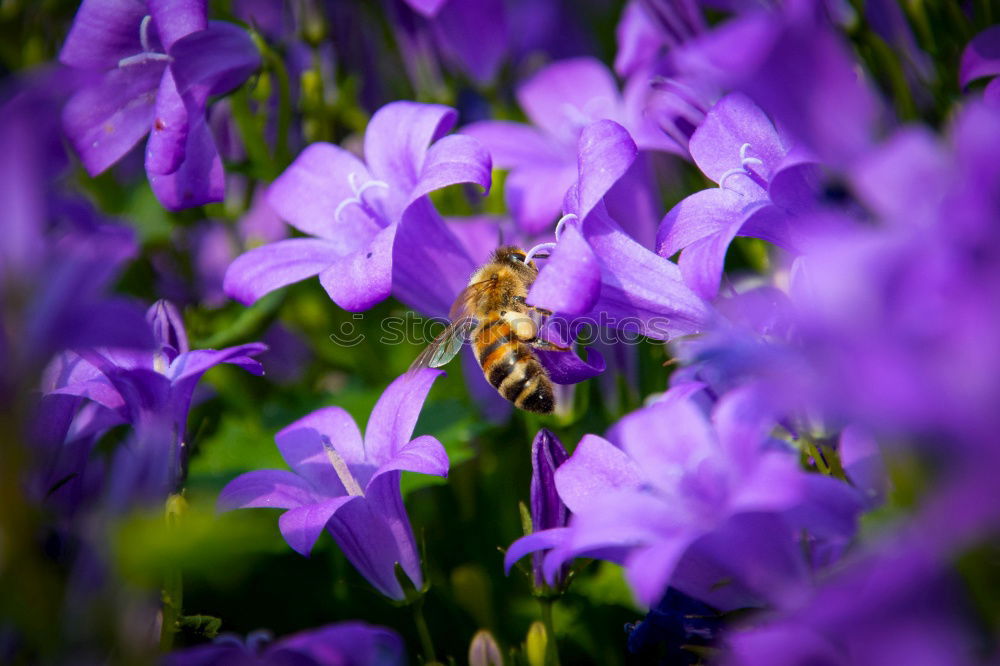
pixel 595 270
pixel 157 64
pixel 349 485
pixel 352 209
pixel 342 643
pixel 547 509
pixel 560 101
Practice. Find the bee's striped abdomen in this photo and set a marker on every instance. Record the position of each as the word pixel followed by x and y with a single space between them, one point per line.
pixel 511 367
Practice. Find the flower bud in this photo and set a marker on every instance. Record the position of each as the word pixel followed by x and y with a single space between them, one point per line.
pixel 547 509
pixel 484 651
pixel 536 644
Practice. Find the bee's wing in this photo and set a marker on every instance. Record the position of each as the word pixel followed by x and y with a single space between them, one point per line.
pixel 447 345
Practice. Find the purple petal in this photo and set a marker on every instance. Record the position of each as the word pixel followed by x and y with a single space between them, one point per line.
pixel 596 467
pixel 395 414
pixel 344 643
pixel 649 569
pixel 397 138
pixel 396 542
pixel 702 262
pixel 302 446
pixel 777 227
pixel 474 35
pixel 197 362
pixel 531 543
pixel 638 40
pixel 264 269
pixel 534 194
pixel 104 121
pixel 665 436
pixel 167 143
pixel 698 216
pixel 103 32
pixel 424 455
pixel 309 191
pixel 547 455
pixel 199 179
pixel 270 488
pixel 176 18
pixel 569 94
pixel 605 153
pixel 426 7
pixel 302 526
pixel 570 280
pixel 100 390
pixel 363 278
pixel 168 326
pixel 430 267
pixel 981 57
pixel 568 368
pixel 451 160
pixel 513 145
pixel 217 59
pixel 732 122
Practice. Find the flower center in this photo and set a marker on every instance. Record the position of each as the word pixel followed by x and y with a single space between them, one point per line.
pixel 343 471
pixel 744 169
pixel 147 54
pixel 359 197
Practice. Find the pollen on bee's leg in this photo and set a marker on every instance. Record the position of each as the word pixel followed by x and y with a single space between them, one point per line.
pixel 521 324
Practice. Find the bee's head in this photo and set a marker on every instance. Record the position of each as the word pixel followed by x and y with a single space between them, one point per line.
pixel 510 254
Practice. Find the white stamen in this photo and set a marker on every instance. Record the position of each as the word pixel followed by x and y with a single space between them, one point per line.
pixel 562 222
pixel 538 248
pixel 144 33
pixel 141 58
pixel 343 471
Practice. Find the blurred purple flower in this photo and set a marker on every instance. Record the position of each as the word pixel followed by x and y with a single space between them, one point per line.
pixel 343 644
pixel 763 190
pixel 595 270
pixel 648 28
pixel 160 61
pixel 677 622
pixel 349 485
pixel 547 510
pixel 560 100
pixel 981 58
pixel 354 210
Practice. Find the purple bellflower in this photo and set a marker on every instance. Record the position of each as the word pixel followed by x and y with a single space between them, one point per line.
pixel 349 485
pixel 158 63
pixel 763 186
pixel 668 477
pixel 343 644
pixel 596 270
pixel 353 209
pixel 547 510
pixel 560 100
pixel 980 59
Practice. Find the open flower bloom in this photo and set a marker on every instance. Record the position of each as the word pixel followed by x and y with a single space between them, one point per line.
pixel 353 209
pixel 159 62
pixel 349 485
pixel 347 643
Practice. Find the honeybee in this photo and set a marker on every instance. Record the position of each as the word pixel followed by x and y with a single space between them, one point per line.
pixel 492 308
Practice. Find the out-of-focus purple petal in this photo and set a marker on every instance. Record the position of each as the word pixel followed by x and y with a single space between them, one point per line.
pixel 395 414
pixel 981 57
pixel 309 191
pixel 569 94
pixel 474 35
pixel 199 179
pixel 638 40
pixel 732 122
pixel 570 280
pixel 533 542
pixel 302 526
pixel 605 153
pixel 534 194
pixel 271 488
pixel 171 125
pixel 699 215
pixel 862 460
pixel 219 58
pixel 100 390
pixel 347 643
pixel 264 269
pixel 397 138
pixel 596 467
pixel 428 8
pixel 103 32
pixel 105 120
pixel 302 446
pixel 195 363
pixel 454 159
pixel 425 455
pixel 176 18
pixel 656 449
pixel 648 568
pixel 429 265
pixel 516 144
pixel 363 278
pixel 168 326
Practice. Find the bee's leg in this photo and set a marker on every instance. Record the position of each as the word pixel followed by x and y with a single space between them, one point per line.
pixel 542 311
pixel 545 345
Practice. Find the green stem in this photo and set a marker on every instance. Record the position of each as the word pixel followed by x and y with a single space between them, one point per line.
pixel 277 65
pixel 551 649
pixel 172 596
pixel 426 644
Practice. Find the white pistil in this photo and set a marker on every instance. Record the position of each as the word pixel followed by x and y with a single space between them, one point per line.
pixel 341 468
pixel 562 223
pixel 144 33
pixel 147 54
pixel 359 194
pixel 538 248
pixel 742 168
